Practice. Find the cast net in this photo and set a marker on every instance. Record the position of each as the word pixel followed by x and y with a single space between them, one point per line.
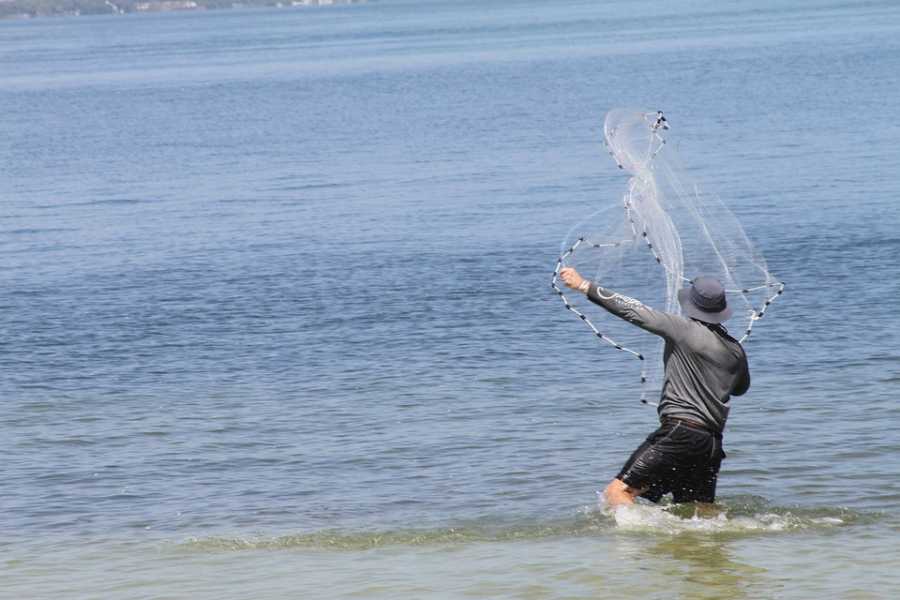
pixel 665 231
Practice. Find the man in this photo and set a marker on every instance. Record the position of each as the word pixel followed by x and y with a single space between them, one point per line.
pixel 704 367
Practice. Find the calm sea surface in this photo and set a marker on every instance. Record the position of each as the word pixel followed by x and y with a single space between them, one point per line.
pixel 275 318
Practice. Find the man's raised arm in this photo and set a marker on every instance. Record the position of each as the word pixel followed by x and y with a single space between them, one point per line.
pixel 629 309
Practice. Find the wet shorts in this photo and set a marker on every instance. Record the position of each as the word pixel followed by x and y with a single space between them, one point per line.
pixel 680 458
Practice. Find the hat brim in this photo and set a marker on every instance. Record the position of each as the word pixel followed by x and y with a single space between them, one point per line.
pixel 691 310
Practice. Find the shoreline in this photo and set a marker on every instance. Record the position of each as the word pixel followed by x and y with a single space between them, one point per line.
pixel 34 9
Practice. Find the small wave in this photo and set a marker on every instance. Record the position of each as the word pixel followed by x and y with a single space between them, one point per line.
pixel 742 516
pixel 640 517
pixel 346 541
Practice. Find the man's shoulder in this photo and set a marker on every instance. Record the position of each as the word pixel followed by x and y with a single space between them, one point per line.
pixel 681 321
pixel 699 334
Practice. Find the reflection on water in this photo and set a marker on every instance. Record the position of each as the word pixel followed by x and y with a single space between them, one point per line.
pixel 705 567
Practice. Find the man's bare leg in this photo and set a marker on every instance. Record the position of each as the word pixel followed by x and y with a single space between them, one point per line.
pixel 618 493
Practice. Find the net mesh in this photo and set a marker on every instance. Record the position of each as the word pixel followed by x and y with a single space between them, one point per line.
pixel 665 231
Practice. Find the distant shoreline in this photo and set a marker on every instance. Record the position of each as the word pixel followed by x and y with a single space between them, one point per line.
pixel 30 9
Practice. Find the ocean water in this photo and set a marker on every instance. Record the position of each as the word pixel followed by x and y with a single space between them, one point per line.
pixel 275 315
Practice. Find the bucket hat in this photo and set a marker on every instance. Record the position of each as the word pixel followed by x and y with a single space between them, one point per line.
pixel 705 300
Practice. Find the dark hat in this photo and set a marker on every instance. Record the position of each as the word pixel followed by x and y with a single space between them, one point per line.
pixel 705 300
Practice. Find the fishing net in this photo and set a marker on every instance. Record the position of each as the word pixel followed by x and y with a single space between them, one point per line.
pixel 664 232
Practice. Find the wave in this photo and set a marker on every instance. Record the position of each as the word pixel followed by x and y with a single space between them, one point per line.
pixel 732 517
pixel 738 516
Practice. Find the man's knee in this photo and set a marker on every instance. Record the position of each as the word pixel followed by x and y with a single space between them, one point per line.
pixel 618 491
pixel 616 486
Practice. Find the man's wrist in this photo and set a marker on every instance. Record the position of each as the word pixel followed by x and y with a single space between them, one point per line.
pixel 584 286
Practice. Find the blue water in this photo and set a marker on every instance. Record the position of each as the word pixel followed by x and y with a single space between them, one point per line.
pixel 283 276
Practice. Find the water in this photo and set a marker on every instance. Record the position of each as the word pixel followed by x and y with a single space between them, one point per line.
pixel 275 316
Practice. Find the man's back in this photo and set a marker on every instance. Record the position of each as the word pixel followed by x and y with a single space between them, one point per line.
pixel 704 366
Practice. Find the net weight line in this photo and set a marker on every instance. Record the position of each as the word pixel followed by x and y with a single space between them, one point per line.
pixel 657 123
pixel 555 285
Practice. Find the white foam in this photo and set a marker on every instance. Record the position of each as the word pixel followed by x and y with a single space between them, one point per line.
pixel 639 517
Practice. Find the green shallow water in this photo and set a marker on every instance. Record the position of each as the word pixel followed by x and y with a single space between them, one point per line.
pixel 777 553
pixel 729 519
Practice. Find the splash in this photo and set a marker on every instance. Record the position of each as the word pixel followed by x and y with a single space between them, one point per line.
pixel 737 517
pixel 640 517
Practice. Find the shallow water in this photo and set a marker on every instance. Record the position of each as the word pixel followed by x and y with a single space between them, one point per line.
pixel 276 318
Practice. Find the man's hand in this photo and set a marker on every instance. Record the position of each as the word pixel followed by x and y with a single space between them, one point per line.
pixel 572 279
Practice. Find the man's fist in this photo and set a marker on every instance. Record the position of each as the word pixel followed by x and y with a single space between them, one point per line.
pixel 572 279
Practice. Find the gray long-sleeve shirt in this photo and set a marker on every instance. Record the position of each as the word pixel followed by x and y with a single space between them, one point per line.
pixel 703 368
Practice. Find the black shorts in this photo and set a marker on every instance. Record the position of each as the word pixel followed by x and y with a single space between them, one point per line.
pixel 680 458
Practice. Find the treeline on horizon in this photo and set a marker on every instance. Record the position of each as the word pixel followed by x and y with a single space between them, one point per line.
pixel 47 8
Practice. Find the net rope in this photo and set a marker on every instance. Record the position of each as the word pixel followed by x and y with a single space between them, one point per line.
pixel 668 218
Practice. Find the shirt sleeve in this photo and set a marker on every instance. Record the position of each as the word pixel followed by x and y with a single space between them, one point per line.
pixel 631 310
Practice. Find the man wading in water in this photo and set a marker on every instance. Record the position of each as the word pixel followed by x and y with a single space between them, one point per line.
pixel 704 367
